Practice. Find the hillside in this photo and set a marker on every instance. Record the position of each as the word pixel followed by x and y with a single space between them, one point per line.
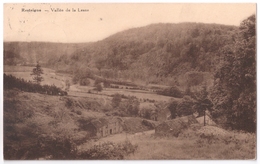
pixel 30 118
pixel 51 126
pixel 157 53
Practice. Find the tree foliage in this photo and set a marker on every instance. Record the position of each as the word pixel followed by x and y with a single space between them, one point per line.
pixel 202 101
pixel 185 106
pixel 234 92
pixel 155 53
pixel 171 91
pixel 130 107
pixel 173 109
pixel 37 74
pixel 98 88
pixel 11 82
pixel 116 100
pixel 195 102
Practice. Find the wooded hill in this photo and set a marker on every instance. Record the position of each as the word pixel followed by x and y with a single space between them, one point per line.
pixel 28 53
pixel 157 53
pixel 162 54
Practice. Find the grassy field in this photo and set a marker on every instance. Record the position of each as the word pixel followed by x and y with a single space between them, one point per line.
pixel 57 79
pixel 50 77
pixel 191 145
pixel 140 94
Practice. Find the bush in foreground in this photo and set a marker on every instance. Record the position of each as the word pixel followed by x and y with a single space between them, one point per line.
pixel 109 150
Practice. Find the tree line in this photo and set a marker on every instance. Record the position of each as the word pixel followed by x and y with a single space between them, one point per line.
pixel 11 82
pixel 155 53
pixel 232 99
pixel 234 90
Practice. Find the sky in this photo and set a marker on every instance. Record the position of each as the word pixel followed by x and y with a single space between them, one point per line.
pixel 99 21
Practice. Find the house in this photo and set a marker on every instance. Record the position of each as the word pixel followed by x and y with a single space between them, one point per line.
pixel 175 126
pixel 208 120
pixel 154 116
pixel 105 126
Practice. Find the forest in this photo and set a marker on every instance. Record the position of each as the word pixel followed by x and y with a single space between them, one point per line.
pixel 177 55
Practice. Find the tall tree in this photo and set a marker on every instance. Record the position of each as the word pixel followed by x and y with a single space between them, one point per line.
pixel 173 108
pixel 234 92
pixel 116 100
pixel 37 74
pixel 201 101
pixel 100 63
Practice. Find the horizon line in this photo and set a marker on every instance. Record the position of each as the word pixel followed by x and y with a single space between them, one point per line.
pixel 85 42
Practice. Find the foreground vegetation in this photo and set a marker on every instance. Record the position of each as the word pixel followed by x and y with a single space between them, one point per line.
pixel 11 82
pixel 53 128
pixel 197 144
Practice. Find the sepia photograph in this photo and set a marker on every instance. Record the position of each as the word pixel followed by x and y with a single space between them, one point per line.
pixel 129 81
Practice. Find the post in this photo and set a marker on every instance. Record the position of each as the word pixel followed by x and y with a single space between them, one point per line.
pixel 204 117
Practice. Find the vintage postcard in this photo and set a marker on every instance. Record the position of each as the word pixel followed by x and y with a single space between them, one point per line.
pixel 139 81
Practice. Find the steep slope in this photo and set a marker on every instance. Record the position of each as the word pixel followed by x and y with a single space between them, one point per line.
pixel 154 53
pixel 160 53
pixel 30 118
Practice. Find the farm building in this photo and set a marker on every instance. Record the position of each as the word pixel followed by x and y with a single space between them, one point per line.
pixel 103 127
pixel 208 120
pixel 175 126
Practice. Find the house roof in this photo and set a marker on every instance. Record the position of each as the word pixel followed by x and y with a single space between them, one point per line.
pixel 208 117
pixel 186 119
pixel 100 122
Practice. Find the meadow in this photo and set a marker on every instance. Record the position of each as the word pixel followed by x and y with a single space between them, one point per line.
pixel 49 76
pixel 201 143
pixel 58 79
pixel 196 145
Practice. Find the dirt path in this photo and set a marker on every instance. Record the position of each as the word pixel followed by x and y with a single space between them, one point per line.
pixel 116 138
pixel 123 136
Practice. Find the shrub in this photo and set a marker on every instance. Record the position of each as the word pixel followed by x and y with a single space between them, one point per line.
pixel 98 88
pixel 106 84
pixel 79 112
pixel 97 81
pixel 57 147
pixel 131 105
pixel 185 106
pixel 145 113
pixel 116 100
pixel 173 108
pixel 84 122
pixel 11 82
pixel 84 82
pixel 68 102
pixel 109 150
pixel 172 91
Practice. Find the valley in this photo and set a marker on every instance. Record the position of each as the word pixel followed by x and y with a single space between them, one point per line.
pixel 161 91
